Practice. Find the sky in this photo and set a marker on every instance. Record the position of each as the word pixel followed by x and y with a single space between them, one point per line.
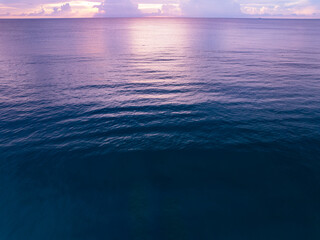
pixel 159 8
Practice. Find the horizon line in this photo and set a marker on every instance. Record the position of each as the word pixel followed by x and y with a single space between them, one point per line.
pixel 159 17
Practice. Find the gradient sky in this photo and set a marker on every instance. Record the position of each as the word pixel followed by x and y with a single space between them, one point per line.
pixel 184 8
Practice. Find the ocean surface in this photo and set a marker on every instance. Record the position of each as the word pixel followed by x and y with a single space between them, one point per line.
pixel 159 128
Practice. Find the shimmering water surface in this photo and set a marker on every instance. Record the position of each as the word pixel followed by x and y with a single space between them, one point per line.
pixel 159 129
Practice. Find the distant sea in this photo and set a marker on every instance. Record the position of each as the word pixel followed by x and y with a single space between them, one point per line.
pixel 159 128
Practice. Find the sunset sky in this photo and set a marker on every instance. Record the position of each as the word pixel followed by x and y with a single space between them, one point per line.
pixel 158 8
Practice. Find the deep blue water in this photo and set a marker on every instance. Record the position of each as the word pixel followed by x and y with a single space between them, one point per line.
pixel 159 129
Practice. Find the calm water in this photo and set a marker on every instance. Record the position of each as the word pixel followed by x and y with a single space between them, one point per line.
pixel 159 129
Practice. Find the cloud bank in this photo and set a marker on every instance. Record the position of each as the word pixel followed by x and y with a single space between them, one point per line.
pixel 140 8
pixel 281 8
pixel 63 11
pixel 191 8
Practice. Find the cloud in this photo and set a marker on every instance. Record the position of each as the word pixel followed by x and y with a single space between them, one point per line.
pixel 63 10
pixel 118 8
pixel 40 13
pixel 7 14
pixel 281 8
pixel 211 8
pixel 170 10
pixel 186 8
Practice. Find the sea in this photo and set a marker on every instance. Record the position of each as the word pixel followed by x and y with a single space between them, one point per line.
pixel 159 129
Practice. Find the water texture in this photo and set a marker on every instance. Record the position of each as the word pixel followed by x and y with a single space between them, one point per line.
pixel 159 129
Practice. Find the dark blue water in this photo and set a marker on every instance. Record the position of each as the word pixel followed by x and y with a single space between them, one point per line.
pixel 159 129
